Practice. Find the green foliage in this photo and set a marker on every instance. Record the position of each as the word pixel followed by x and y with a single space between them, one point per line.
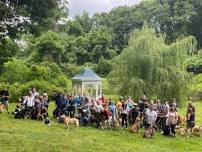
pixel 7 50
pixel 104 67
pixel 19 77
pixel 15 71
pixel 50 46
pixel 33 15
pixel 149 66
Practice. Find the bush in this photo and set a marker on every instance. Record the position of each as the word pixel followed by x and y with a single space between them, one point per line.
pixel 17 90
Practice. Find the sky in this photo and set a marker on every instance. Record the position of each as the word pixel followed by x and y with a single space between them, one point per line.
pixel 94 6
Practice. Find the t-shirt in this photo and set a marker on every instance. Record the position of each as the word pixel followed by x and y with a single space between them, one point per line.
pixel 151 117
pixel 119 105
pixel 29 101
pixel 4 94
pixel 172 118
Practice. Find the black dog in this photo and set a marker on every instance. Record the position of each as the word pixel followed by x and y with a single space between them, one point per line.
pixel 20 114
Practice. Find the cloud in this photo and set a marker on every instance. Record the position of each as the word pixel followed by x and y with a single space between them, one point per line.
pixel 93 6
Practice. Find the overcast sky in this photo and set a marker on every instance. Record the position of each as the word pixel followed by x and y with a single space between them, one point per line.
pixel 93 6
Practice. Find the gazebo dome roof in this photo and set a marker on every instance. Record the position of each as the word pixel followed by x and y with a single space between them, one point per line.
pixel 87 74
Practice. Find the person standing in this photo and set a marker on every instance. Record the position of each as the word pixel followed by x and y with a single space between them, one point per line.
pixel 124 116
pixel 172 120
pixel 4 96
pixel 151 117
pixel 190 121
pixel 29 103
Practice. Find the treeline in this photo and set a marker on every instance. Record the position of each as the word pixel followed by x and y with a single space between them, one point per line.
pixel 38 33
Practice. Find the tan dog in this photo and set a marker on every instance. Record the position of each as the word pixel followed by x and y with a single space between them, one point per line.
pixel 68 121
pixel 181 120
pixel 149 133
pixel 180 131
pixel 2 108
pixel 197 130
pixel 136 126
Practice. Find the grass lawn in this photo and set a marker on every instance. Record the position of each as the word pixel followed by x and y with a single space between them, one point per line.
pixel 29 135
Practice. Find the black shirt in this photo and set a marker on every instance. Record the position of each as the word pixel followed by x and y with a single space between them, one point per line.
pixel 4 93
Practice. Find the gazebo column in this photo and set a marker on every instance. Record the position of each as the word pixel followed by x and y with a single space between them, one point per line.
pixel 100 89
pixel 96 90
pixel 82 89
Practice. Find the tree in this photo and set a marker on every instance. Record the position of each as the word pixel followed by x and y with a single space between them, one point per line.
pixel 8 48
pixel 33 15
pixel 149 66
pixel 50 46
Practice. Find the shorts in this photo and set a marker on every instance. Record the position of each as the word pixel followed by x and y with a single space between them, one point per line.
pixel 190 124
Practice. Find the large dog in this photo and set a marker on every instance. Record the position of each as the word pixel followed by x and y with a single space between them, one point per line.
pixel 136 126
pixel 181 120
pixel 2 108
pixel 68 121
pixel 149 132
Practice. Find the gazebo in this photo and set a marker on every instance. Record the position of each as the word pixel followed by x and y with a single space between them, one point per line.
pixel 87 82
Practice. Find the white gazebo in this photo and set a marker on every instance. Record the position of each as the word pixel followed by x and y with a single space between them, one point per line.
pixel 87 82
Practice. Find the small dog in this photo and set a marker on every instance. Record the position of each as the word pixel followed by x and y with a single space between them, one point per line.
pixel 2 108
pixel 181 131
pixel 68 121
pixel 136 126
pixel 47 121
pixel 197 130
pixel 149 133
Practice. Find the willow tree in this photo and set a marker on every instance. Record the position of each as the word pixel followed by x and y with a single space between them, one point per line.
pixel 149 66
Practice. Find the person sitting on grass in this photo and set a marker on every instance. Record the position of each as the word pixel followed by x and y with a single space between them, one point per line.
pixel 190 121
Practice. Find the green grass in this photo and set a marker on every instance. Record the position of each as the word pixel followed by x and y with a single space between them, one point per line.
pixel 29 135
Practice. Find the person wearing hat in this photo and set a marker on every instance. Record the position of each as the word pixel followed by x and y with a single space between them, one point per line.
pixel 134 113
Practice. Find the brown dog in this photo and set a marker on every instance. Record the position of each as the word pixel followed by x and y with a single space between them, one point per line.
pixel 136 126
pixel 2 108
pixel 68 121
pixel 180 131
pixel 197 130
pixel 149 133
pixel 181 120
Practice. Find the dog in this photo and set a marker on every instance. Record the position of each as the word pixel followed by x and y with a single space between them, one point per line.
pixel 136 126
pixel 180 131
pixel 2 108
pixel 149 133
pixel 181 120
pixel 47 121
pixel 68 121
pixel 197 130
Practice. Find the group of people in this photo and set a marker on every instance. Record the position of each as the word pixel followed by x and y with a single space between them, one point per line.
pixel 33 106
pixel 162 116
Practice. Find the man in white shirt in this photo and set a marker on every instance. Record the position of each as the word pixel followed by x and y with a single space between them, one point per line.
pixel 151 117
pixel 29 103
